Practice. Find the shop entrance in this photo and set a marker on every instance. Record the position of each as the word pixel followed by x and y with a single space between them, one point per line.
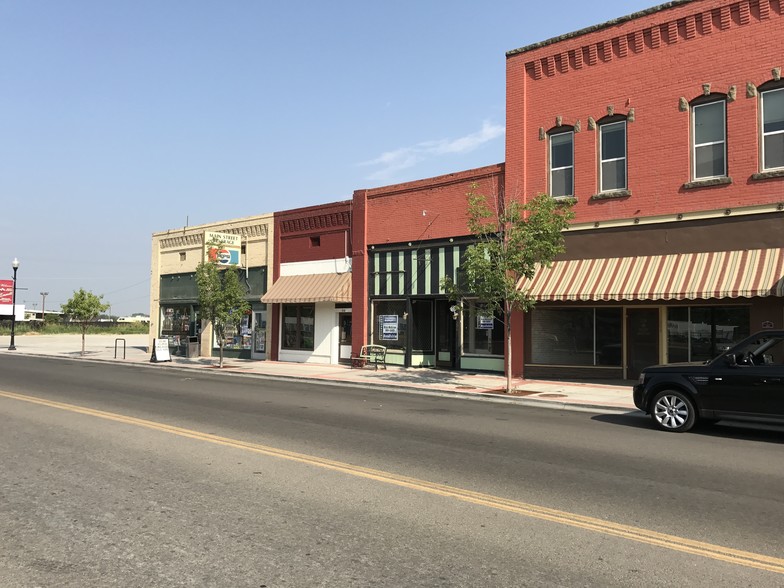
pixel 259 330
pixel 344 337
pixel 445 335
pixel 642 340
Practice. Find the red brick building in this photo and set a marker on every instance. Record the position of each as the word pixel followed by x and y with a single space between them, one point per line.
pixel 407 237
pixel 667 127
pixel 310 294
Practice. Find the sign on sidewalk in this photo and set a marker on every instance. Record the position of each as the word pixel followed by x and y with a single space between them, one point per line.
pixel 160 351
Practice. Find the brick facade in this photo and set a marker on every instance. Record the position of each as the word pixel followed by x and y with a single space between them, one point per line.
pixel 409 214
pixel 648 69
pixel 642 68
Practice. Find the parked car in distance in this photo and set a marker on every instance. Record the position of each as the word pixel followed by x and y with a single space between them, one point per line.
pixel 746 382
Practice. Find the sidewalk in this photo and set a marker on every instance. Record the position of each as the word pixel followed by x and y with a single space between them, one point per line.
pixel 613 396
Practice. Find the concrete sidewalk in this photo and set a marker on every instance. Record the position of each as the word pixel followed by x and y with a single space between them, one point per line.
pixel 614 396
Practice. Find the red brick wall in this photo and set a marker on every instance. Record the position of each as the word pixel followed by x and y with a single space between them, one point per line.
pixel 394 214
pixel 647 64
pixel 333 245
pixel 295 230
pixel 434 208
pixel 331 223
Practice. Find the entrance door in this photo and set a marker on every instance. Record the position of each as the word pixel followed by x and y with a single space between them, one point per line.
pixel 344 337
pixel 259 330
pixel 445 335
pixel 642 340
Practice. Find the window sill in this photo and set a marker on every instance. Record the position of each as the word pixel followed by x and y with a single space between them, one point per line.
pixel 565 199
pixel 611 194
pixel 768 175
pixel 707 183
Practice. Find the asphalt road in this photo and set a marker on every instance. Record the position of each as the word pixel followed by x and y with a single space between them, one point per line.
pixel 131 476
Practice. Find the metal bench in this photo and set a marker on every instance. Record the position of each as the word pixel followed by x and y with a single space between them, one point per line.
pixel 374 355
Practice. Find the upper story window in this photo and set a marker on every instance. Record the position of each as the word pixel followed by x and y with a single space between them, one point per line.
pixel 709 132
pixel 562 163
pixel 612 149
pixel 773 129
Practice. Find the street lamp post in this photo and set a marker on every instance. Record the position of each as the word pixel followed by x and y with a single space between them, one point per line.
pixel 43 305
pixel 12 347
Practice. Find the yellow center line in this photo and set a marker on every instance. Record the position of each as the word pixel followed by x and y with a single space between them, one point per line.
pixel 716 552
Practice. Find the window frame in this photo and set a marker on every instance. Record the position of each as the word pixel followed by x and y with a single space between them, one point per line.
pixel 625 158
pixel 552 169
pixel 299 344
pixel 695 146
pixel 763 134
pixel 472 309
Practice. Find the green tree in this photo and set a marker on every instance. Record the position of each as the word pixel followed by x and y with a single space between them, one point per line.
pixel 84 308
pixel 221 298
pixel 512 241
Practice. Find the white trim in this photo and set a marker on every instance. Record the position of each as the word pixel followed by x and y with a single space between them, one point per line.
pixel 763 134
pixel 602 161
pixel 695 146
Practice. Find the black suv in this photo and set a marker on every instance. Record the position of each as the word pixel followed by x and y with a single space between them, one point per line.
pixel 745 382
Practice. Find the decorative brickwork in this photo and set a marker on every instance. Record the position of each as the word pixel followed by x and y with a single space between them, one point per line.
pixel 655 36
pixel 321 221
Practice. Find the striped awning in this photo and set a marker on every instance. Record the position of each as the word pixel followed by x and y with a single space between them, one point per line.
pixel 683 276
pixel 310 288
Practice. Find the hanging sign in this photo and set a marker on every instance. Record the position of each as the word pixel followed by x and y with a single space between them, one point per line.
pixel 6 291
pixel 160 351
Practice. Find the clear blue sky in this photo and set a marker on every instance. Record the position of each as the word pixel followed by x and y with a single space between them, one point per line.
pixel 121 118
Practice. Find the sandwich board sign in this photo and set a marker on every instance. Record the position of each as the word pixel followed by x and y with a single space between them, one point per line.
pixel 160 351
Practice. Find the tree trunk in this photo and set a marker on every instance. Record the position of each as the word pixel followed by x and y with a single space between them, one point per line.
pixel 220 360
pixel 84 332
pixel 508 352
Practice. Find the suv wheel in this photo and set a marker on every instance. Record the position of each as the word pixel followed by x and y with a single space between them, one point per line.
pixel 673 411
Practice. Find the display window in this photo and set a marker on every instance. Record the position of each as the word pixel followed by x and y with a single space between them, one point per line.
pixel 483 332
pixel 577 336
pixel 391 324
pixel 299 321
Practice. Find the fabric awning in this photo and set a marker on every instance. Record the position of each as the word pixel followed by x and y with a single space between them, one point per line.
pixel 310 288
pixel 683 276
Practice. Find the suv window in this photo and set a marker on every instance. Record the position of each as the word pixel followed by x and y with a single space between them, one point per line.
pixel 763 351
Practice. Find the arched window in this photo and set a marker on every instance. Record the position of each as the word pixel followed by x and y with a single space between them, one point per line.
pixel 772 127
pixel 561 161
pixel 709 137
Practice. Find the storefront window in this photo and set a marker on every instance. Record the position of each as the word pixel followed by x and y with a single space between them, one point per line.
pixel 239 336
pixel 390 327
pixel 483 333
pixel 299 322
pixel 178 322
pixel 260 332
pixel 577 336
pixel 700 333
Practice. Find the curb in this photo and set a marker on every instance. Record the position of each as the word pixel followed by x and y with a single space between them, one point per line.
pixel 369 386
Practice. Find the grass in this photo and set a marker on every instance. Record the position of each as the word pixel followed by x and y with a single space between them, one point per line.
pixel 38 328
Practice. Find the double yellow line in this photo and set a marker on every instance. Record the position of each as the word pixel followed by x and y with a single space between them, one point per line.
pixel 716 552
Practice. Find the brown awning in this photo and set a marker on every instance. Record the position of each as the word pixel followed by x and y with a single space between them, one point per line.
pixel 683 276
pixel 310 288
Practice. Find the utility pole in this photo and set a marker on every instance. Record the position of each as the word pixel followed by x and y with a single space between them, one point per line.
pixel 43 305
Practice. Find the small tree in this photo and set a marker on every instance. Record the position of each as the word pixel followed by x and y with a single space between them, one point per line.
pixel 512 241
pixel 83 308
pixel 221 298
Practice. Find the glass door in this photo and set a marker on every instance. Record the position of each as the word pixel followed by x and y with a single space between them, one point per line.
pixel 344 334
pixel 445 335
pixel 259 350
